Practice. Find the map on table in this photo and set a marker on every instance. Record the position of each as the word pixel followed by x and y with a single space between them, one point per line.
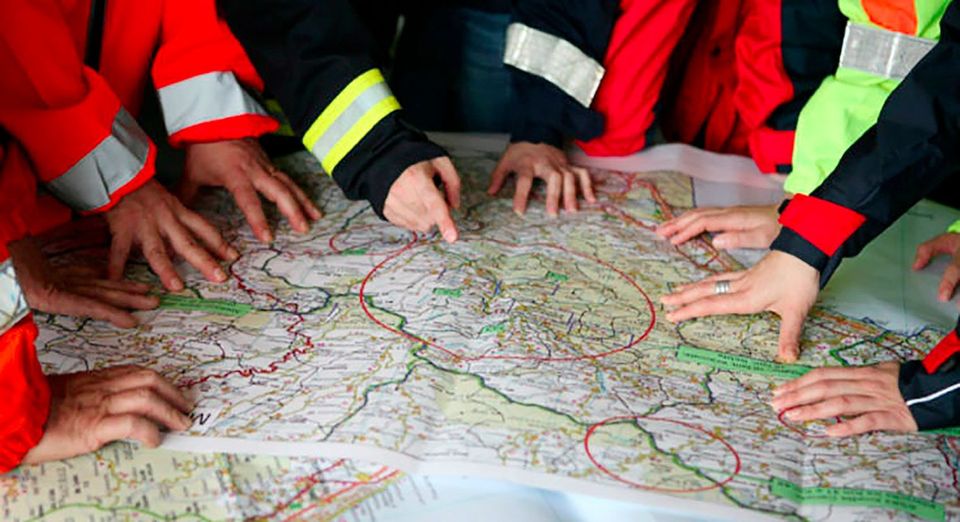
pixel 533 350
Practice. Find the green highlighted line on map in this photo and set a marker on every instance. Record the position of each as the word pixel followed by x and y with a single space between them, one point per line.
pixel 448 292
pixel 494 328
pixel 950 432
pixel 871 498
pixel 354 252
pixel 557 277
pixel 211 306
pixel 740 363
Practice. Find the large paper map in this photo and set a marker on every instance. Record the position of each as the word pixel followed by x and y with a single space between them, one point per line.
pixel 532 350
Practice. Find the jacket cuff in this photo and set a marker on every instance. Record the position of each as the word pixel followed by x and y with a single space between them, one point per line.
pixel 533 133
pixel 824 224
pixel 933 398
pixel 231 128
pixel 369 172
pixel 796 245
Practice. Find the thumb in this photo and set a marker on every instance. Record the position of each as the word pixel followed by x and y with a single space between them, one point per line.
pixel 791 327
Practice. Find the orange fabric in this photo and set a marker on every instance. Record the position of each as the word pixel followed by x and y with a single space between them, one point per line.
pixel 895 15
pixel 636 66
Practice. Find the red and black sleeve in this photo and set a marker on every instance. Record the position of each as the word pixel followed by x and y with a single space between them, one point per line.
pixel 897 162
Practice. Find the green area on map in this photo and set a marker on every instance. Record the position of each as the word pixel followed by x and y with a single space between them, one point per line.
pixel 556 277
pixel 212 306
pixel 857 497
pixel 354 252
pixel 950 432
pixel 494 328
pixel 740 363
pixel 448 292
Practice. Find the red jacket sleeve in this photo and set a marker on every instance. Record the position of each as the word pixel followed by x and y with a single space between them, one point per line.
pixel 82 144
pixel 201 73
pixel 26 396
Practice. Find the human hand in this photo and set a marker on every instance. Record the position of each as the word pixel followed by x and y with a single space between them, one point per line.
pixel 868 396
pixel 948 244
pixel 76 290
pixel 149 218
pixel 243 168
pixel 779 283
pixel 415 203
pixel 539 160
pixel 91 409
pixel 738 227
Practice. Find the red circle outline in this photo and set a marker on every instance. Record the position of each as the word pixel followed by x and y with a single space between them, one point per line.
pixel 461 357
pixel 795 429
pixel 339 233
pixel 601 467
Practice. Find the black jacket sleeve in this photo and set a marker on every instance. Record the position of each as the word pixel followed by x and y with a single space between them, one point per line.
pixel 542 111
pixel 308 52
pixel 914 145
pixel 931 388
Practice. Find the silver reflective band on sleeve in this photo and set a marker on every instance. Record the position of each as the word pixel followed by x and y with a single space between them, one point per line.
pixel 205 97
pixel 880 52
pixel 107 168
pixel 13 306
pixel 555 60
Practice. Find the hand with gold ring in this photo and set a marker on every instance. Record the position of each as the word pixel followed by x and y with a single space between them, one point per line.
pixel 779 283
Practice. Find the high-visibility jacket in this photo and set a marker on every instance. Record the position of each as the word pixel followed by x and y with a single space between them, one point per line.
pixel 848 101
pixel 77 125
pixel 26 396
pixel 905 155
pixel 315 57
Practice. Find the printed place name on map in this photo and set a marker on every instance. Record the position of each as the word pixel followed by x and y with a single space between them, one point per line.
pixel 918 507
pixel 212 306
pixel 740 363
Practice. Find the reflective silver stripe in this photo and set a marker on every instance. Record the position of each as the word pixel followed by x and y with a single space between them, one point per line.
pixel 107 168
pixel 555 60
pixel 876 51
pixel 13 306
pixel 205 97
pixel 935 395
pixel 349 117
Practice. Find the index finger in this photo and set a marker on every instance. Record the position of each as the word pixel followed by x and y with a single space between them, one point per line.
pixel 451 181
pixel 733 303
pixel 440 215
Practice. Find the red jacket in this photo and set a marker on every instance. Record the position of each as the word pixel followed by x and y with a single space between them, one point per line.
pixel 26 397
pixel 735 82
pixel 77 124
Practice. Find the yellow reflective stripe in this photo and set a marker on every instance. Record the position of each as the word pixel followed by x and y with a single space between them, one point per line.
pixel 358 131
pixel 346 111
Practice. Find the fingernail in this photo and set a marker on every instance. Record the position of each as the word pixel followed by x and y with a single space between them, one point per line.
pixel 175 284
pixel 792 414
pixel 518 213
pixel 720 242
pixel 219 275
pixel 186 421
pixel 232 254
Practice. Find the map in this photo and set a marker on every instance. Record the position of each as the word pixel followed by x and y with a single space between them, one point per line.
pixel 532 350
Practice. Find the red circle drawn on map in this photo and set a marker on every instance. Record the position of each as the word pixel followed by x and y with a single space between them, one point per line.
pixel 694 427
pixel 795 429
pixel 341 233
pixel 462 357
